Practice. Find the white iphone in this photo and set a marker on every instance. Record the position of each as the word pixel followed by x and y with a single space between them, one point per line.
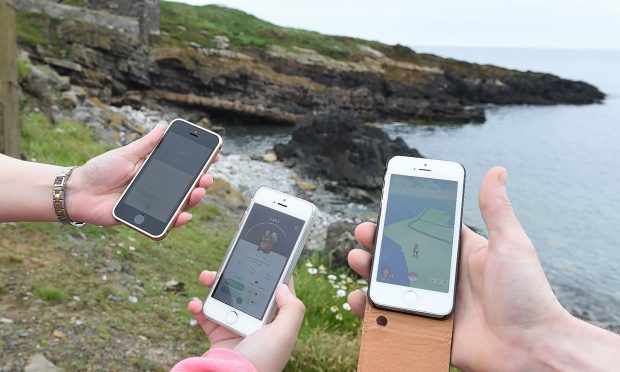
pixel 262 255
pixel 415 262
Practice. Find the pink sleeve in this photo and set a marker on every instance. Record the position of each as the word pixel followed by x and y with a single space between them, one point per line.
pixel 215 360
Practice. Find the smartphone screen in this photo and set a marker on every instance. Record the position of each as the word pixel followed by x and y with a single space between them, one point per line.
pixel 416 246
pixel 163 182
pixel 258 259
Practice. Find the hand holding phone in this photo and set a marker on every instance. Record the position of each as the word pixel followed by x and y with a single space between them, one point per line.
pixel 414 268
pixel 261 256
pixel 162 186
pixel 269 348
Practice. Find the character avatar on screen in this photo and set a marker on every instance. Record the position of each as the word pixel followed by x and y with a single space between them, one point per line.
pixel 258 259
pixel 262 255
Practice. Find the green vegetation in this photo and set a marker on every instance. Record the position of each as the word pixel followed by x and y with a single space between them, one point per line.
pixel 50 293
pixel 24 71
pixel 64 143
pixel 32 28
pixel 89 275
pixel 73 2
pixel 201 24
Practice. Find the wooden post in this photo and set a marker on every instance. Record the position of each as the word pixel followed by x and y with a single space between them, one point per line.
pixel 9 105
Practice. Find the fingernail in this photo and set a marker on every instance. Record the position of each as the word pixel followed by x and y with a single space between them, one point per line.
pixel 196 299
pixel 190 217
pixel 503 177
pixel 285 288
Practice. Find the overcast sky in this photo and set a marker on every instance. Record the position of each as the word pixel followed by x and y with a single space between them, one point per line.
pixel 571 24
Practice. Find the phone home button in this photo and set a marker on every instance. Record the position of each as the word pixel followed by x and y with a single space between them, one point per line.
pixel 410 297
pixel 231 317
pixel 138 219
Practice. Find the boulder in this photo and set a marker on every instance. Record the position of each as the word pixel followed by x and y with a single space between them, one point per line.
pixel 39 363
pixel 340 241
pixel 306 186
pixel 340 148
pixel 270 157
pixel 69 100
pixel 223 194
pixel 221 42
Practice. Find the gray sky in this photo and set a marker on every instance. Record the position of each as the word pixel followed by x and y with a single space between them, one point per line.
pixel 571 24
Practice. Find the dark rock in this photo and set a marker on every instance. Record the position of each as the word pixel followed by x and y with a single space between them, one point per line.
pixel 359 196
pixel 340 148
pixel 340 241
pixel 174 286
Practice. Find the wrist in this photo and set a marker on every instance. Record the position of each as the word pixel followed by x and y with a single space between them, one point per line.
pixel 573 344
pixel 74 190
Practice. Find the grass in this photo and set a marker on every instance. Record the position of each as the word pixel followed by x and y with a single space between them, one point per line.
pixel 79 3
pixel 51 293
pixel 201 24
pixel 24 71
pixel 64 143
pixel 59 276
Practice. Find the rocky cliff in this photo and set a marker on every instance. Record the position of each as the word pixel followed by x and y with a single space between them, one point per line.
pixel 232 65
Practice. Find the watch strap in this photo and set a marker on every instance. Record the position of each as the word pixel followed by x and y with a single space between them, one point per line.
pixel 59 195
pixel 395 341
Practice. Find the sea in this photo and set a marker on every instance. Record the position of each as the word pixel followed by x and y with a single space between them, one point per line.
pixel 563 167
pixel 563 163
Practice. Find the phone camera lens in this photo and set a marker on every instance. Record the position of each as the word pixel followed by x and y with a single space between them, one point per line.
pixel 425 165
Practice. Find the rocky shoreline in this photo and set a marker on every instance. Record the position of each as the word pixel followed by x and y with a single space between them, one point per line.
pixel 115 84
pixel 377 83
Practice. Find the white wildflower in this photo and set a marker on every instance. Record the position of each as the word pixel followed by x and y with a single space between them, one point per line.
pixel 339 316
pixel 332 277
pixel 341 293
pixel 333 309
pixel 346 306
pixel 312 270
pixel 342 276
pixel 362 281
pixel 349 280
pixel 308 264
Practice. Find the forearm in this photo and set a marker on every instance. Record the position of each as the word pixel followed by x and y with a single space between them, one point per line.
pixel 579 346
pixel 26 190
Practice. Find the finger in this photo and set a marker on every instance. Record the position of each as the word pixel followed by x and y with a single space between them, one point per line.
pixel 195 197
pixel 496 208
pixel 471 241
pixel 141 147
pixel 290 316
pixel 365 234
pixel 205 181
pixel 357 301
pixel 217 158
pixel 195 308
pixel 360 261
pixel 183 218
pixel 291 286
pixel 207 278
